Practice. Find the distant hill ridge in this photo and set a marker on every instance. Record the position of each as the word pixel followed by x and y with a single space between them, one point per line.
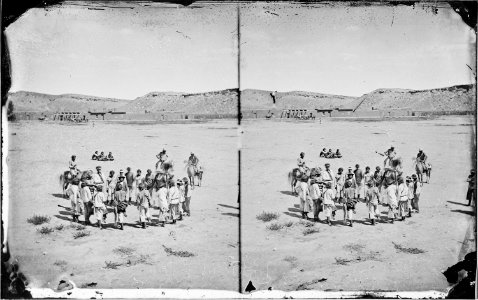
pixel 453 98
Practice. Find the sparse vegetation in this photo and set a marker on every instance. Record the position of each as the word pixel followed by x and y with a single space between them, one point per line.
pixel 45 230
pixel 123 250
pixel 112 265
pixel 170 251
pixel 342 261
pixel 77 227
pixel 38 219
pixel 310 230
pixel 60 263
pixel 267 216
pixel 275 226
pixel 408 250
pixel 141 259
pixel 81 234
pixel 59 227
pixel 291 259
pixel 354 247
pixel 306 223
pixel 288 224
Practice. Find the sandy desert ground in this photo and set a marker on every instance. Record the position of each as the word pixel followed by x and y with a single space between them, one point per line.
pixel 363 257
pixel 39 152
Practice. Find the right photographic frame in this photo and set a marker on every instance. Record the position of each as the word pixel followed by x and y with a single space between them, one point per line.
pixel 358 147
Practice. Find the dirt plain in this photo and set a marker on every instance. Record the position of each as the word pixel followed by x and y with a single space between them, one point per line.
pixel 38 153
pixel 363 257
pixel 333 258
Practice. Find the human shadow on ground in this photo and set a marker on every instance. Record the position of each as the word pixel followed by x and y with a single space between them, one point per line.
pixel 59 196
pixel 64 218
pixel 231 214
pixel 294 209
pixel 470 213
pixel 293 215
pixel 289 193
pixel 228 206
pixel 458 203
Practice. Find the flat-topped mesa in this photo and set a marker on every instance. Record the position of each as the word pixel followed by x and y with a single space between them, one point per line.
pixel 448 99
pixel 454 98
pixel 261 99
pixel 39 102
pixel 214 102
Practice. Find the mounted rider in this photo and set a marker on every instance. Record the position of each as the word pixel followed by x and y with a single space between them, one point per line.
pixel 162 158
pixel 422 159
pixel 390 155
pixel 73 166
pixel 301 163
pixel 193 161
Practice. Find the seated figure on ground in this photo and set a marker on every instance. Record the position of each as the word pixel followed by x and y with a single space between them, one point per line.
pixel 95 156
pixel 338 154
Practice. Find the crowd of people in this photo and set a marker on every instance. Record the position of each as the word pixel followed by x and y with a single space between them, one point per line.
pixel 102 156
pixel 330 153
pixel 94 193
pixel 324 191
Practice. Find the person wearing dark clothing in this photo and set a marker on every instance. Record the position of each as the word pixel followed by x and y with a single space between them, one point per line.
pixel 471 193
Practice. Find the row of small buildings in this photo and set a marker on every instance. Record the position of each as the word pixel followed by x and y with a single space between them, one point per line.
pixel 292 113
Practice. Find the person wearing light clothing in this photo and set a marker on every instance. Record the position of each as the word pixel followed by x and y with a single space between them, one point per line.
pixel 99 200
pixel 372 196
pixel 328 175
pixel 348 203
pixel 187 196
pixel 339 184
pixel 180 186
pixel 99 179
pixel 74 194
pixel 142 199
pixel 328 201
pixel 163 202
pixel 173 196
pixel 315 194
pixel 136 181
pixel 301 162
pixel 111 184
pixel 85 195
pixel 403 198
pixel 391 192
pixel 411 195
pixel 303 192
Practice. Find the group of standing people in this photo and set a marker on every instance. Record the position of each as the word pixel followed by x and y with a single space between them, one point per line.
pixel 98 194
pixel 323 191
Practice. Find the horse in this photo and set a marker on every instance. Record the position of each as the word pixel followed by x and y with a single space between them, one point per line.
pixel 391 175
pixel 296 174
pixel 193 172
pixel 67 177
pixel 422 168
pixel 164 171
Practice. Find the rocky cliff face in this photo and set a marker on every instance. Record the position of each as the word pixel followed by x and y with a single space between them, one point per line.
pixel 37 102
pixel 454 98
pixel 260 99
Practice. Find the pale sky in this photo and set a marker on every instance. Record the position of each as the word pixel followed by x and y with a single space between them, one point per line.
pixel 353 50
pixel 126 53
